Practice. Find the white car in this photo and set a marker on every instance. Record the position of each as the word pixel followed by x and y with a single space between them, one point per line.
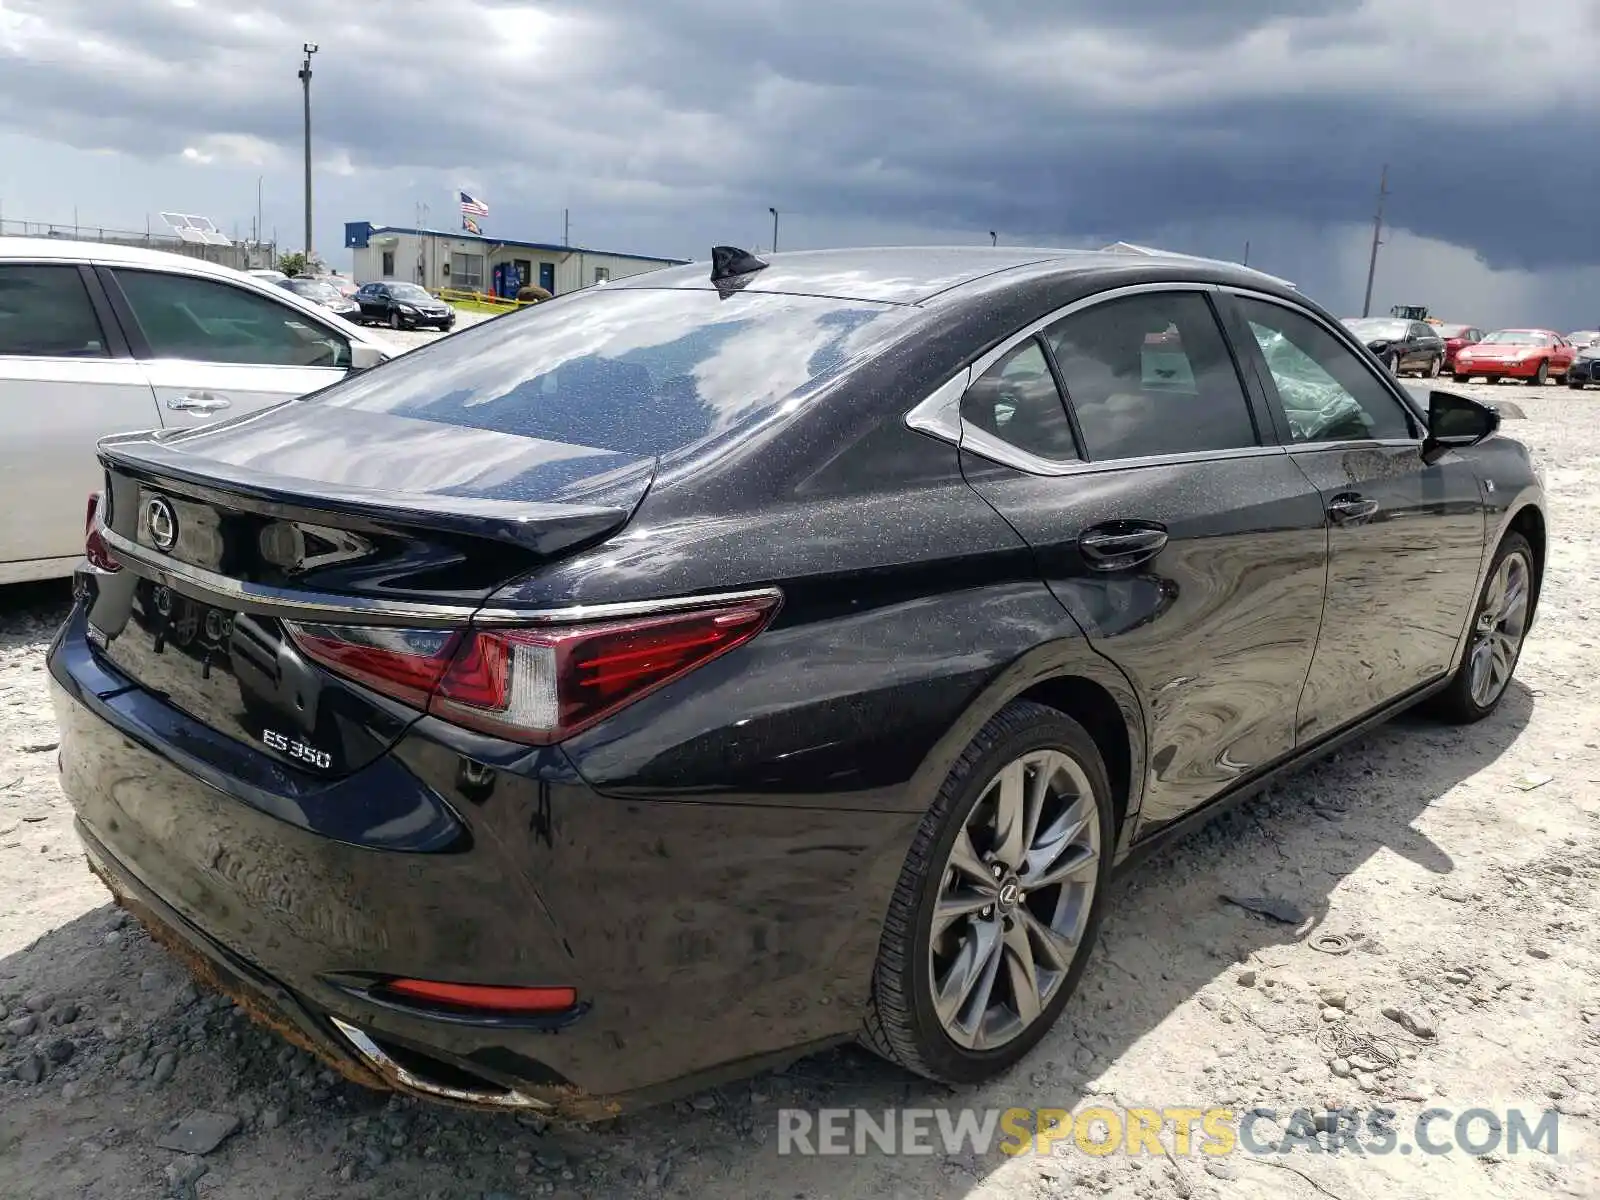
pixel 98 339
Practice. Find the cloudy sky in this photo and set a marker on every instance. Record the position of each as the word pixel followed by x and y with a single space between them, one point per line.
pixel 668 125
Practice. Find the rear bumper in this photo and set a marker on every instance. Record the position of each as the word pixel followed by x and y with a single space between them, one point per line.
pixel 704 940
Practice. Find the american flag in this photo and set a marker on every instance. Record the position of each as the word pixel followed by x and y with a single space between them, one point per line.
pixel 471 207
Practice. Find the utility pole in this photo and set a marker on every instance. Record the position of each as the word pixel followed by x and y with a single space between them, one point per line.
pixel 1377 238
pixel 1246 262
pixel 774 213
pixel 566 228
pixel 305 80
pixel 994 238
pixel 257 237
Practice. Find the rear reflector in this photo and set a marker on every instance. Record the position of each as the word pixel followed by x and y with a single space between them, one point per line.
pixel 94 546
pixel 536 685
pixel 485 998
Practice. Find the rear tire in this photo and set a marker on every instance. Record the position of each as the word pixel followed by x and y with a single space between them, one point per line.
pixel 1435 366
pixel 1575 384
pixel 394 319
pixel 1460 378
pixel 999 1008
pixel 1500 620
pixel 1391 363
pixel 1542 374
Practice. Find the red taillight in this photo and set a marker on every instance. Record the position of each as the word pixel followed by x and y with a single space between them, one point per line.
pixel 485 998
pixel 404 663
pixel 94 546
pixel 534 685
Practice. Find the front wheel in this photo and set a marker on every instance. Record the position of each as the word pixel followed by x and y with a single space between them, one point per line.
pixel 1391 363
pixel 1460 378
pixel 998 903
pixel 1435 366
pixel 1542 374
pixel 1499 626
pixel 394 319
pixel 1575 384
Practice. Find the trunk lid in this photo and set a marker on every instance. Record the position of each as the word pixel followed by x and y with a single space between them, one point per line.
pixel 303 512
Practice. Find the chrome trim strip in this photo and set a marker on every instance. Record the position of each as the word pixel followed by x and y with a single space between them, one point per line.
pixel 297 605
pixel 986 445
pixel 392 1071
pixel 621 608
pixel 940 413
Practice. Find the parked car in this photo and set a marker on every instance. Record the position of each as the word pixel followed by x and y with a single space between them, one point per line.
pixel 1401 345
pixel 1585 368
pixel 1583 337
pixel 557 716
pixel 1457 338
pixel 323 294
pixel 403 306
pixel 98 339
pixel 1532 355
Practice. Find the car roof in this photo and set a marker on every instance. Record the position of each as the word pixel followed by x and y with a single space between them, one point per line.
pixel 912 274
pixel 65 250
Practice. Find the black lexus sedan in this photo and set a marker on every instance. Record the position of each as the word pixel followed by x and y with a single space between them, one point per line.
pixel 630 692
pixel 403 306
pixel 1402 345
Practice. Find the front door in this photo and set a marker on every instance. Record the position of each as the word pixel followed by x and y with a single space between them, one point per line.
pixel 61 390
pixel 1405 539
pixel 547 277
pixel 1164 517
pixel 212 350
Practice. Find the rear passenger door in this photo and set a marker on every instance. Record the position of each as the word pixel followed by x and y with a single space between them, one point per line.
pixel 65 381
pixel 1405 538
pixel 1165 518
pixel 212 349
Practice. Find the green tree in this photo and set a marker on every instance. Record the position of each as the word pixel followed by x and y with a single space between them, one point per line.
pixel 296 263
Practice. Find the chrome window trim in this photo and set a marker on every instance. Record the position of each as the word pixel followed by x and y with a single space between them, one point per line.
pixel 939 414
pixel 321 606
pixel 1341 334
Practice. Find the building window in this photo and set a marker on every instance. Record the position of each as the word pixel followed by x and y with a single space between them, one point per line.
pixel 388 264
pixel 602 274
pixel 466 272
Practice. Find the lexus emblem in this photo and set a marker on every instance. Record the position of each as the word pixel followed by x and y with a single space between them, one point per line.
pixel 1009 894
pixel 163 524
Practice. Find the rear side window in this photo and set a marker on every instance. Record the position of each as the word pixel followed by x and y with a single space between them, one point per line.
pixel 1151 374
pixel 1016 400
pixel 638 371
pixel 203 320
pixel 45 313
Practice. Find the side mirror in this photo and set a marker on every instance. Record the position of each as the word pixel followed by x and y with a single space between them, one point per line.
pixel 364 357
pixel 1454 423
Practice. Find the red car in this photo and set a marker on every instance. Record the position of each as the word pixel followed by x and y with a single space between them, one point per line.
pixel 1532 355
pixel 1457 338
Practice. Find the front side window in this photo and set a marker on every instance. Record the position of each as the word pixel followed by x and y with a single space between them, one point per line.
pixel 1328 394
pixel 1151 374
pixel 45 313
pixel 1016 400
pixel 204 320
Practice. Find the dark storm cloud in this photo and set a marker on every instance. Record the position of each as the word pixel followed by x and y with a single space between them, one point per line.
pixel 1044 118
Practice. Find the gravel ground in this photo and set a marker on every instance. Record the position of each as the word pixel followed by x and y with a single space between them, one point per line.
pixel 1458 865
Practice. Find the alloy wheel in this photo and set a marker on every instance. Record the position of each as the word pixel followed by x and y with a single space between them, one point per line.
pixel 1014 900
pixel 1502 623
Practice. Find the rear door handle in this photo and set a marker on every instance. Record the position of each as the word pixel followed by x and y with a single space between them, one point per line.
pixel 1119 545
pixel 203 402
pixel 1351 509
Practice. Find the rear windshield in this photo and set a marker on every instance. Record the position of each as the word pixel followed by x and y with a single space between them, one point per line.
pixel 640 371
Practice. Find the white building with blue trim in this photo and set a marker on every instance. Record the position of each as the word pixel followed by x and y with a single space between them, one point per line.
pixel 476 263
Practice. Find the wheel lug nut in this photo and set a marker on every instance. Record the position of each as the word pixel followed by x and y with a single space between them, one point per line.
pixel 999 871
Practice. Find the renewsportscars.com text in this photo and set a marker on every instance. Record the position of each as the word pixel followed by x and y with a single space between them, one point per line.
pixel 1215 1132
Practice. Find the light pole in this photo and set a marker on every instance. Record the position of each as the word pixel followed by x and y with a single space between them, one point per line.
pixel 994 238
pixel 305 81
pixel 1377 238
pixel 774 213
